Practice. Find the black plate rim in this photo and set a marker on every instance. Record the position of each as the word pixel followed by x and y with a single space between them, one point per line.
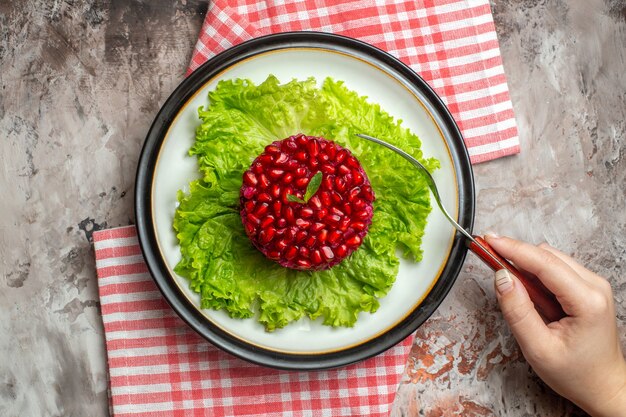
pixel 190 314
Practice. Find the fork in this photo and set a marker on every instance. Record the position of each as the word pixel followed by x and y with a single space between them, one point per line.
pixel 545 302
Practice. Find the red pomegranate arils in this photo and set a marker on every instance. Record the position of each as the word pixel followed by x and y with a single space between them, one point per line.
pixel 308 235
pixel 316 257
pixel 328 253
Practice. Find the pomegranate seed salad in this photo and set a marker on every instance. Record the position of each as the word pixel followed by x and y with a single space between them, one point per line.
pixel 294 215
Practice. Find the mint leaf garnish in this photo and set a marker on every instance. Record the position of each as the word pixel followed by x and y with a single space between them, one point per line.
pixel 313 186
pixel 311 189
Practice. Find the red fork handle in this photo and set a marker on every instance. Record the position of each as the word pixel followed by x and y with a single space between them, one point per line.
pixel 545 302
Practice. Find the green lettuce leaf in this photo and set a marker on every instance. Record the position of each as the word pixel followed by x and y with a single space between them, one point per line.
pixel 217 257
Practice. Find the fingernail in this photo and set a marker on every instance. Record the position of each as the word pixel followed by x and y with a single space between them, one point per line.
pixel 491 233
pixel 504 281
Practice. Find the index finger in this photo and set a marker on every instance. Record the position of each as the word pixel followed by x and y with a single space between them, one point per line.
pixel 559 278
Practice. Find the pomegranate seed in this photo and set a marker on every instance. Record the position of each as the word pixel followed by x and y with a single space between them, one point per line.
pixel 261 210
pixel 291 253
pixel 301 156
pixel 267 221
pixel 341 251
pixel 343 170
pixel 313 147
pixel 304 252
pixel 343 226
pixel 249 205
pixel 331 151
pixel 248 192
pixel 290 144
pixel 368 193
pixel 324 158
pixel 291 165
pixel 327 182
pixel 328 253
pixel 275 190
pixel 327 169
pixel 303 263
pixel 302 182
pixel 302 140
pixel 306 212
pixel 341 155
pixel 354 193
pixel 354 241
pixel 352 162
pixel 316 257
pixel 281 159
pixel 359 203
pixel 336 211
pixel 253 219
pixel 250 228
pixel 263 198
pixel 340 184
pixel 315 202
pixel 249 178
pixel 272 150
pixel 301 235
pixel 358 226
pixel 266 235
pixel 310 241
pixel 290 234
pixel 363 214
pixel 277 207
pixel 276 173
pixel 264 181
pixel 257 168
pixel 274 254
pixel 282 244
pixel 321 214
pixel 303 223
pixel 357 178
pixel 322 235
pixel 325 197
pixel 300 172
pixel 336 197
pixel 317 227
pixel 288 213
pixel 281 222
pixel 264 159
pixel 347 209
pixel 348 234
pixel 334 236
pixel 288 178
pixel 313 164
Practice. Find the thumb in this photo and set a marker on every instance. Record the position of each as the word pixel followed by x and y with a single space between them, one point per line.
pixel 518 310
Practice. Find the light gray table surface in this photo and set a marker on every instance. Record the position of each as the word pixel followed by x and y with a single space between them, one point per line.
pixel 82 81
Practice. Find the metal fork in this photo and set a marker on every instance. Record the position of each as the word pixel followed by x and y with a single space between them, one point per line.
pixel 544 300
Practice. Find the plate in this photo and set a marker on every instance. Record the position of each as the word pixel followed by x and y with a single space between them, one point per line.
pixel 165 167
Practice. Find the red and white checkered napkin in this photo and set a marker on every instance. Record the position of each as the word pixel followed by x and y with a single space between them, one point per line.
pixel 452 44
pixel 158 366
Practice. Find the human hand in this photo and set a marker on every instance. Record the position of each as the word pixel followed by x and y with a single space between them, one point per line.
pixel 578 356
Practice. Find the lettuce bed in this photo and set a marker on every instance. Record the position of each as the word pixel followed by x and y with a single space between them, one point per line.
pixel 217 257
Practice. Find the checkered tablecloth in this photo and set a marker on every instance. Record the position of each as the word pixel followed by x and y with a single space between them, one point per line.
pixel 452 44
pixel 158 366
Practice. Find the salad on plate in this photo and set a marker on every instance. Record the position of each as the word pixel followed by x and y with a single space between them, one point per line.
pixel 294 216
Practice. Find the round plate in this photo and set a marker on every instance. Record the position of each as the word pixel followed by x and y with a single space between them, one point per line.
pixel 164 168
